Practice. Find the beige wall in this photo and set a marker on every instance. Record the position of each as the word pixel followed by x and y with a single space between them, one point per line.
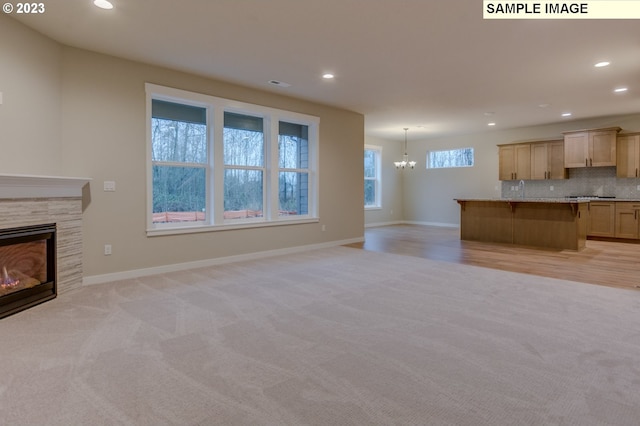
pixel 30 77
pixel 428 194
pixel 99 110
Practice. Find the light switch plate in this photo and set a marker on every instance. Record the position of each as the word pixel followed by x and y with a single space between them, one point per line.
pixel 109 186
pixel 0 98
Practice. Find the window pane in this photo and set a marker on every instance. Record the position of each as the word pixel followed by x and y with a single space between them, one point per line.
pixel 243 140
pixel 178 190
pixel 242 193
pixel 294 193
pixel 369 163
pixel 462 157
pixel 293 146
pixel 369 192
pixel 178 141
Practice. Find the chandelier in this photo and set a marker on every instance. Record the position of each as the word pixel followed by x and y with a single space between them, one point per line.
pixel 405 158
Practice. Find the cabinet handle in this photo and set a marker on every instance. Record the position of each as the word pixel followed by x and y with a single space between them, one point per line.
pixel 590 162
pixel 636 172
pixel 586 162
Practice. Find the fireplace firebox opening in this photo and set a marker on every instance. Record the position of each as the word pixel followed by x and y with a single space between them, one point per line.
pixel 27 267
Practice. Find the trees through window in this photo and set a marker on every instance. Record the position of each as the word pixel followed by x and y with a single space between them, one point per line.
pixel 372 156
pixel 461 157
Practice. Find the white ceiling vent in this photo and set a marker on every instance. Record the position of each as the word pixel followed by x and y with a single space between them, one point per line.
pixel 279 83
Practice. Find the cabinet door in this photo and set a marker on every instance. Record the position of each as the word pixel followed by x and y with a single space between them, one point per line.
pixel 523 161
pixel 601 219
pixel 628 156
pixel 506 159
pixel 555 166
pixel 539 161
pixel 602 148
pixel 626 220
pixel 514 162
pixel 576 150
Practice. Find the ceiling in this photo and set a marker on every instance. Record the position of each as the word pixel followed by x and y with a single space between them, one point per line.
pixel 434 66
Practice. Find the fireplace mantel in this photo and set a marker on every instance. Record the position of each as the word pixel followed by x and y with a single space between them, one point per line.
pixel 30 186
pixel 27 200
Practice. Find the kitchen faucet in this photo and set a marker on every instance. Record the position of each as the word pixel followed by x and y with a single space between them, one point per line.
pixel 521 187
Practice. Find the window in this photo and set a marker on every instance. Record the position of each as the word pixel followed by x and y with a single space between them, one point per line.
pixel 372 156
pixel 179 162
pixel 293 169
pixel 244 167
pixel 220 164
pixel 462 157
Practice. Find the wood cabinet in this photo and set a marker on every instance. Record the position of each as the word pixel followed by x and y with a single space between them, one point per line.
pixel 514 162
pixel 601 219
pixel 590 148
pixel 628 155
pixel 626 222
pixel 556 224
pixel 547 160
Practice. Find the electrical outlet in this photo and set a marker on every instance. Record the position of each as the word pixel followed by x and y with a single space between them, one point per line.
pixel 638 187
pixel 107 249
pixel 109 186
pixel 551 188
pixel 324 228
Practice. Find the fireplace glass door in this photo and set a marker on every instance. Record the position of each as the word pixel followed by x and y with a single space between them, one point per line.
pixel 27 267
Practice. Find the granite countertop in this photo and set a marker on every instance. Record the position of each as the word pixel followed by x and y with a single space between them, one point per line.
pixel 548 200
pixel 527 200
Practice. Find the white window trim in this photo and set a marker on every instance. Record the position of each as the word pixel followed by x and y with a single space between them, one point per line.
pixel 216 107
pixel 378 205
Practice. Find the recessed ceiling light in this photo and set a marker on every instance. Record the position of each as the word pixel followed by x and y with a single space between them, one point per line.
pixel 491 124
pixel 328 76
pixel 602 64
pixel 489 113
pixel 103 4
pixel 621 89
pixel 566 114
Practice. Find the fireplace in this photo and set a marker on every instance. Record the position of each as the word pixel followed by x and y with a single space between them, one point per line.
pixel 27 267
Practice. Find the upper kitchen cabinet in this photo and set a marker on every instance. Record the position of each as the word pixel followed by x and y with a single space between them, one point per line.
pixel 590 148
pixel 514 162
pixel 547 160
pixel 628 153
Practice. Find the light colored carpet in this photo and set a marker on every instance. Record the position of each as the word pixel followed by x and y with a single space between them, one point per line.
pixel 337 336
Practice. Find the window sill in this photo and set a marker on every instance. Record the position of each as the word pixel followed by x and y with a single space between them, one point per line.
pixel 373 208
pixel 197 228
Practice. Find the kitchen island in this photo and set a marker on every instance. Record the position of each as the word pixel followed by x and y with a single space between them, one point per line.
pixel 556 223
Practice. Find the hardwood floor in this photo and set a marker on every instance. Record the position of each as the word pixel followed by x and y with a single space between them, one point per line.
pixel 615 264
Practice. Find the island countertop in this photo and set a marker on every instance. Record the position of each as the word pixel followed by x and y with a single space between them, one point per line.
pixel 553 199
pixel 533 200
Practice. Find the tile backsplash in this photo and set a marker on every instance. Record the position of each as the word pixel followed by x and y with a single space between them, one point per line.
pixel 588 181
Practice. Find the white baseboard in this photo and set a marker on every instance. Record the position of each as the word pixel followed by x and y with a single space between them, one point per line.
pixel 136 273
pixel 439 224
pixel 411 222
pixel 377 224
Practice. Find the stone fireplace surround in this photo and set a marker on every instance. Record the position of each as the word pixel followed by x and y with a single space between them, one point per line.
pixel 34 200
